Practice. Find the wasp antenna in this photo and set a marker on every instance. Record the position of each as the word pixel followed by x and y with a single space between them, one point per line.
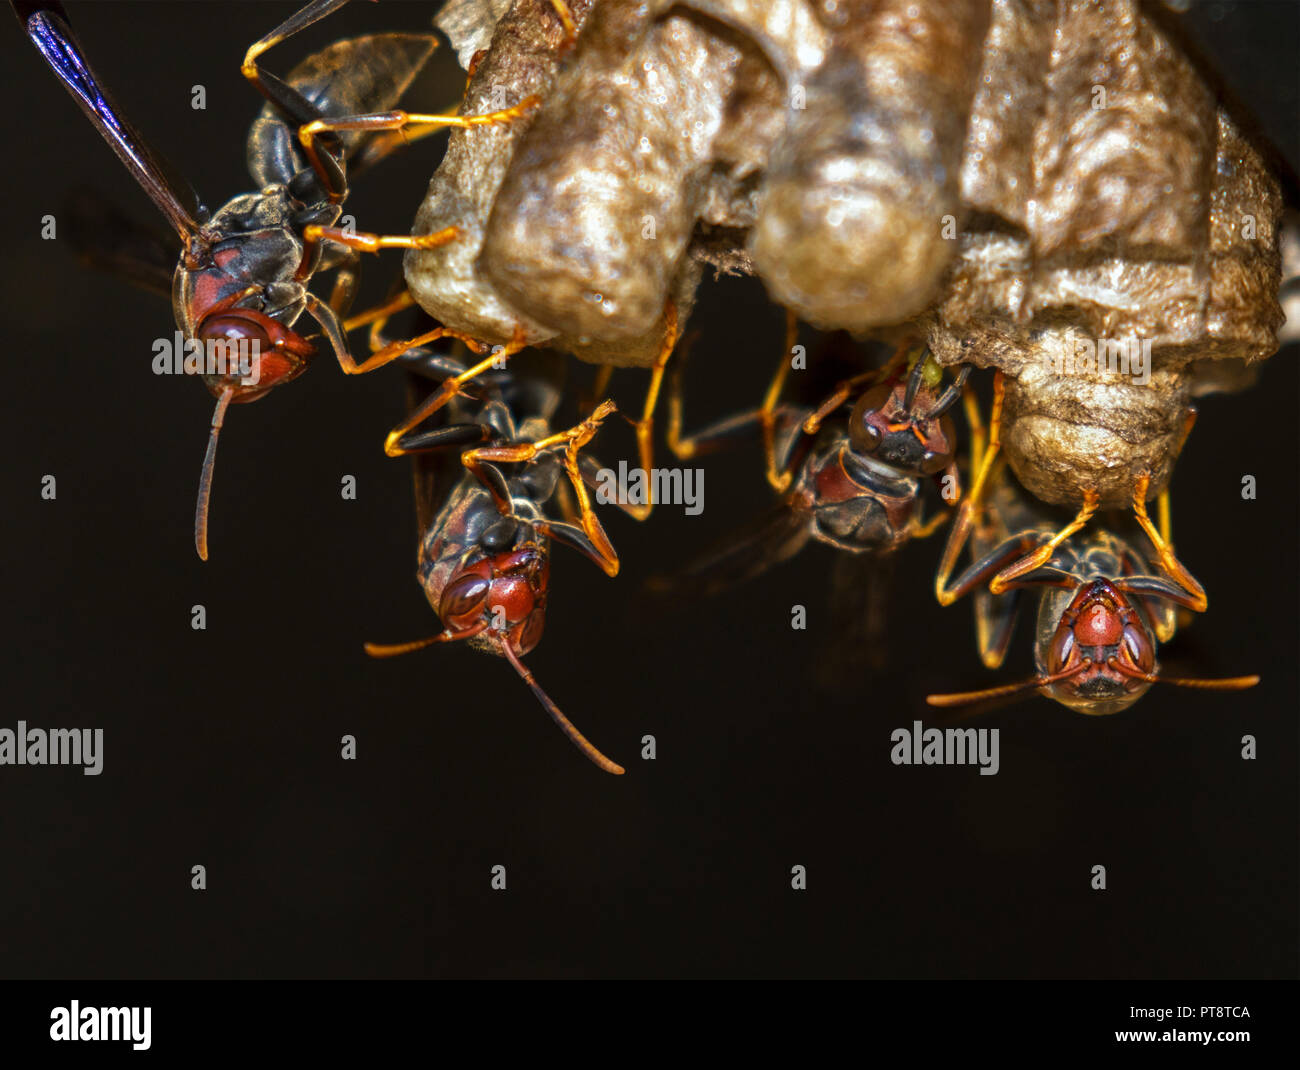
pixel 914 380
pixel 392 650
pixel 205 477
pixel 949 397
pixel 1227 683
pixel 963 698
pixel 566 726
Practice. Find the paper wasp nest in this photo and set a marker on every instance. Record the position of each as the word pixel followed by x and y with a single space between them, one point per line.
pixel 578 222
pixel 1019 167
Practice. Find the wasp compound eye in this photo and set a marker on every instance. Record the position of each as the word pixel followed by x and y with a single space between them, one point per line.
pixel 867 422
pixel 462 601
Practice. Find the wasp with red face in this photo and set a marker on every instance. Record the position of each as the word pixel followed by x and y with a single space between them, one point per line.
pixel 850 471
pixel 1103 609
pixel 243 272
pixel 485 551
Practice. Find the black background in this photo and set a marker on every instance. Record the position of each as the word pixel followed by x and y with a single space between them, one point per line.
pixel 222 746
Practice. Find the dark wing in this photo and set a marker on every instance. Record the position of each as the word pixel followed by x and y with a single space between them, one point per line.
pixel 750 551
pixel 106 240
pixel 859 610
pixel 47 26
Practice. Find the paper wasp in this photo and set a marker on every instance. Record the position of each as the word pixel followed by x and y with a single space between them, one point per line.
pixel 1103 606
pixel 483 479
pixel 243 272
pixel 849 470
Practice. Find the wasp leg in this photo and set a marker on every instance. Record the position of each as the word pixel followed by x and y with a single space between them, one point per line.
pixel 467 434
pixel 971 507
pixel 597 478
pixel 918 530
pixel 848 387
pixel 346 280
pixel 779 479
pixel 1031 562
pixel 450 387
pixel 361 241
pixel 289 101
pixel 644 426
pixel 480 460
pixel 717 435
pixel 567 19
pixel 377 318
pixel 1158 588
pixel 1165 551
pixel 1161 609
pixel 309 132
pixel 384 144
pixel 995 621
pixel 599 386
pixel 1010 549
pixel 975 421
pixel 329 323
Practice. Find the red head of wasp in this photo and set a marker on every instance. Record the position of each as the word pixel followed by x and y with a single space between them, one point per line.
pixel 850 470
pixel 484 558
pixel 1103 608
pixel 244 271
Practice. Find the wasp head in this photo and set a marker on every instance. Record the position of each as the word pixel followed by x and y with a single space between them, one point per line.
pixel 1100 657
pixel 498 592
pixel 249 353
pixel 902 423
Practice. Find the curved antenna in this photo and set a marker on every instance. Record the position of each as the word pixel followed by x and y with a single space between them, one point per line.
pixel 566 726
pixel 914 379
pixel 963 698
pixel 1225 683
pixel 392 650
pixel 205 478
pixel 949 397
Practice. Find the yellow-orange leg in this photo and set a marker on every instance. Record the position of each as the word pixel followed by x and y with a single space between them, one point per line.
pixel 570 23
pixel 608 558
pixel 398 120
pixel 1164 549
pixel 970 510
pixel 779 480
pixel 389 353
pixel 521 452
pixel 1039 557
pixel 978 432
pixel 919 530
pixel 377 318
pixel 682 448
pixel 386 143
pixel 365 242
pixel 450 388
pixel 299 20
pixel 645 446
pixel 599 385
pixel 846 389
